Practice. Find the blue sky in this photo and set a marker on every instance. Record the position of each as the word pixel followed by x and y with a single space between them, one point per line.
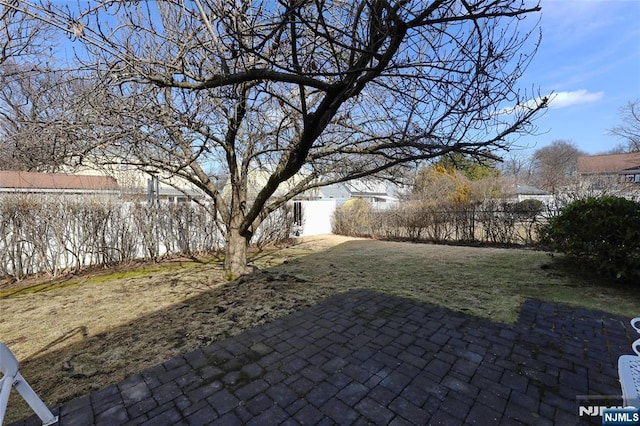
pixel 590 57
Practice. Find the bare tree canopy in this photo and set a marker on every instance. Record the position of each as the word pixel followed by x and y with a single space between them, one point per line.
pixel 556 165
pixel 20 35
pixel 630 127
pixel 302 93
pixel 518 167
pixel 35 108
pixel 25 49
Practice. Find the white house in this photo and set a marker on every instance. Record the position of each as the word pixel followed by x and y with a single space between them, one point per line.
pixel 313 210
pixel 314 215
pixel 523 192
pixel 136 183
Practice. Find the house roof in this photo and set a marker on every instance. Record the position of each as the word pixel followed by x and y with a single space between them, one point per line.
pixel 370 188
pixel 529 190
pixel 614 163
pixel 30 181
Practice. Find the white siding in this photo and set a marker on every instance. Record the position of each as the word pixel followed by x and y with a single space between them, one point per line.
pixel 317 217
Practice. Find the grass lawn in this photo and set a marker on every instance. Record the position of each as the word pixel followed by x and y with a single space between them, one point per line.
pixel 80 334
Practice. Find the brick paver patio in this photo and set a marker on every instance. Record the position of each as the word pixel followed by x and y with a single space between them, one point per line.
pixel 364 357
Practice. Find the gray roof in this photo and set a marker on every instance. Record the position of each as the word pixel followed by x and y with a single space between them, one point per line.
pixel 529 190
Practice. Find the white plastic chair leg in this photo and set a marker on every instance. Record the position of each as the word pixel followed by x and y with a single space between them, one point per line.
pixel 5 390
pixel 12 377
pixel 34 401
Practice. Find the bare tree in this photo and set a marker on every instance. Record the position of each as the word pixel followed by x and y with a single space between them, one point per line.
pixel 292 95
pixel 518 168
pixel 20 34
pixel 555 166
pixel 33 105
pixel 26 47
pixel 630 127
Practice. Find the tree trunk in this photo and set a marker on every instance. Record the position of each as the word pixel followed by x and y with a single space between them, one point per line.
pixel 235 260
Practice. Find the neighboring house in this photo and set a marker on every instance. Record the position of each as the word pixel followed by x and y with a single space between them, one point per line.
pixel 313 211
pixel 379 193
pixel 527 192
pixel 12 182
pixel 170 189
pixel 135 183
pixel 615 172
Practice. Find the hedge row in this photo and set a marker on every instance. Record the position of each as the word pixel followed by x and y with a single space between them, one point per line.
pixel 489 222
pixel 58 234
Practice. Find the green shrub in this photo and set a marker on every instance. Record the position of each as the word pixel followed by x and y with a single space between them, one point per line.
pixel 605 231
pixel 527 209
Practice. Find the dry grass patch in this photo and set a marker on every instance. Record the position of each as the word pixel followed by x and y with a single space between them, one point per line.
pixel 94 331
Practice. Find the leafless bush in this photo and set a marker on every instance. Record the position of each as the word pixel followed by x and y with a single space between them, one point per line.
pixel 15 249
pixel 498 225
pixel 188 228
pixel 353 218
pixel 385 223
pixel 276 228
pixel 123 237
pixel 492 221
pixel 55 234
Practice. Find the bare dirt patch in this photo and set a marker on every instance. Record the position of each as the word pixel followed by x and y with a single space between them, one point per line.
pixel 99 328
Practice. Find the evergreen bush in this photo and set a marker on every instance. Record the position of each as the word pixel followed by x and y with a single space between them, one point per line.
pixel 605 231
